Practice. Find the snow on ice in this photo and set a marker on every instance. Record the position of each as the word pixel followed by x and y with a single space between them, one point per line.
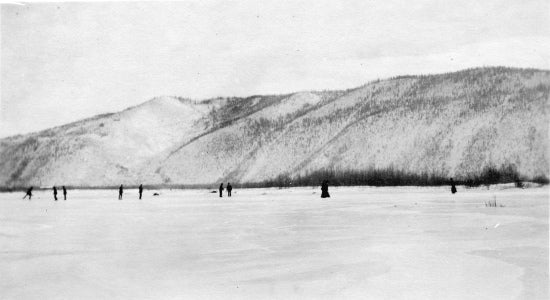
pixel 365 243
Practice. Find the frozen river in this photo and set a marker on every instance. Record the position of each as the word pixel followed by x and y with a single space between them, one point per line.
pixel 366 243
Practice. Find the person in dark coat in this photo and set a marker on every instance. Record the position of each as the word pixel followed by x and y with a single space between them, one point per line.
pixel 64 193
pixel 55 193
pixel 229 188
pixel 453 187
pixel 140 190
pixel 324 190
pixel 29 193
pixel 120 191
pixel 221 189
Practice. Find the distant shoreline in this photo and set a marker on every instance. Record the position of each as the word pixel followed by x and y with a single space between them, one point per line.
pixel 525 184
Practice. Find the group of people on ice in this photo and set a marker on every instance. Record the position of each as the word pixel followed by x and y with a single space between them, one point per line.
pixel 29 193
pixel 121 191
pixel 229 189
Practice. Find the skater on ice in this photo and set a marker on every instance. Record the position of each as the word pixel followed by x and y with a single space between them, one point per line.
pixel 29 193
pixel 229 188
pixel 324 189
pixel 54 193
pixel 453 187
pixel 64 193
pixel 140 190
pixel 221 190
pixel 120 191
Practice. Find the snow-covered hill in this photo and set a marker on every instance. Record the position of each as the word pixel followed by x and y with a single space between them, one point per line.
pixel 451 124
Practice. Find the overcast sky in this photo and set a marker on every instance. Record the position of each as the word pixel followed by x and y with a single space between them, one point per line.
pixel 61 62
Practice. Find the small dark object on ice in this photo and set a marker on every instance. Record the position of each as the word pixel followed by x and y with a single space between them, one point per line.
pixel 453 187
pixel 213 192
pixel 324 190
pixel 155 194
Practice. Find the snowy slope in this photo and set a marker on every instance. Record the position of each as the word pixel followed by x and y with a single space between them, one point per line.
pixel 451 124
pixel 101 150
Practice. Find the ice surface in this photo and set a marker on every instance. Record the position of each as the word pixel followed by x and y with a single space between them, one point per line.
pixel 366 243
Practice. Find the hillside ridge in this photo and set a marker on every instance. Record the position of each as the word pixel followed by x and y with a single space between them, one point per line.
pixel 453 125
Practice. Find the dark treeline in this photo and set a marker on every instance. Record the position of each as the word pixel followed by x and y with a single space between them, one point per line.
pixel 394 177
pixel 371 177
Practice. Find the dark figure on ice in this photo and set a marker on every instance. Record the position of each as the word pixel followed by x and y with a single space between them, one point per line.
pixel 453 187
pixel 64 193
pixel 120 191
pixel 29 193
pixel 140 190
pixel 324 189
pixel 55 193
pixel 229 188
pixel 221 190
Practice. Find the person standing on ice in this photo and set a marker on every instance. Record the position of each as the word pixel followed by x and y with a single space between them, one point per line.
pixel 120 191
pixel 64 193
pixel 29 193
pixel 324 189
pixel 453 187
pixel 229 188
pixel 221 190
pixel 140 190
pixel 54 193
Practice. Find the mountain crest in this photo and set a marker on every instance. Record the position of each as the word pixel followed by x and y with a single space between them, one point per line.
pixel 453 124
